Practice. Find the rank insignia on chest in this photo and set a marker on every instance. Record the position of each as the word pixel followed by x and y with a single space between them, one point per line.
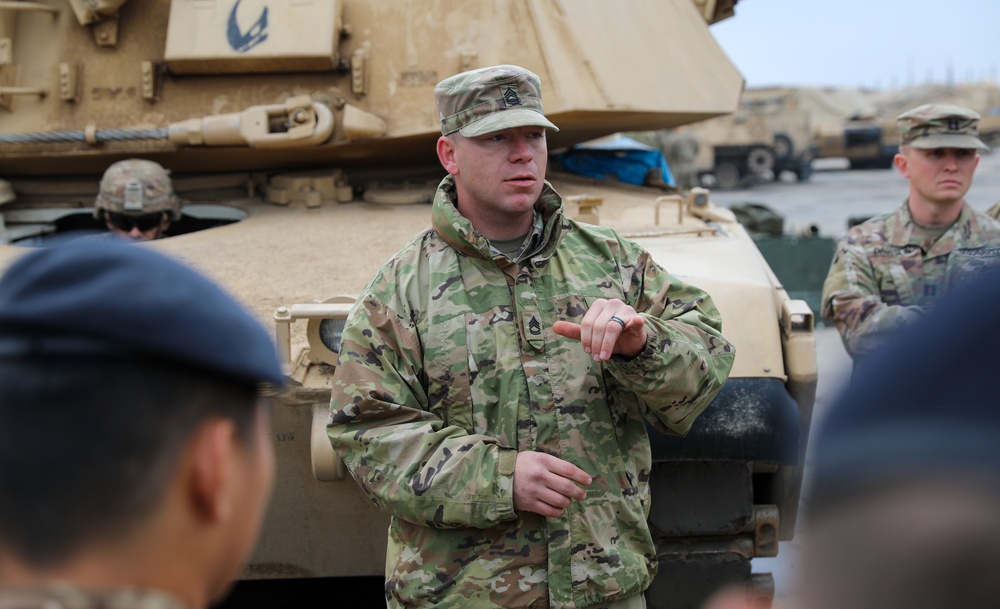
pixel 534 328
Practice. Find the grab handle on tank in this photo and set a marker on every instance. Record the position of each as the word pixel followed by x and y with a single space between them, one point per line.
pixel 297 122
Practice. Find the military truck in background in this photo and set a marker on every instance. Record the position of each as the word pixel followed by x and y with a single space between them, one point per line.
pixel 764 138
pixel 734 151
pixel 865 142
pixel 860 125
pixel 301 136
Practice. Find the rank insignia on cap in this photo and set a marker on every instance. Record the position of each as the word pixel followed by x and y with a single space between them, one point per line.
pixel 510 97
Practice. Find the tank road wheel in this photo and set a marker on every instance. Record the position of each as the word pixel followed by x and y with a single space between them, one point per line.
pixel 727 176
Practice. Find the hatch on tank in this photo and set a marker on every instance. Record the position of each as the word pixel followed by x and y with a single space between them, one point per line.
pixel 247 36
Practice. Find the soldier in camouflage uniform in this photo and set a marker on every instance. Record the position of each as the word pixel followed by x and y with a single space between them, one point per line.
pixel 496 377
pixel 137 200
pixel 894 267
pixel 135 458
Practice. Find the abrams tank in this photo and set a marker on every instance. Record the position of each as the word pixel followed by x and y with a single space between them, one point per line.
pixel 301 133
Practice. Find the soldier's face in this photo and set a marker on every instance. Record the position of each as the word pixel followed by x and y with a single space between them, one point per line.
pixel 938 175
pixel 146 227
pixel 498 177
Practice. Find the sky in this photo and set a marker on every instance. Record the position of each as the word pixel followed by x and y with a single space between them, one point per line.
pixel 880 44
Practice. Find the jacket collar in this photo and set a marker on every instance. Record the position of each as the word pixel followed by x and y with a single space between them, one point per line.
pixel 456 230
pixel 900 229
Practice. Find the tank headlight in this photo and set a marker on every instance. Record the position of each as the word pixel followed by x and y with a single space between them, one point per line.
pixel 324 328
pixel 331 332
pixel 698 198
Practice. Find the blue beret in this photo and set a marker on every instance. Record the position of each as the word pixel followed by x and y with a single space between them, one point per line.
pixel 119 299
pixel 929 400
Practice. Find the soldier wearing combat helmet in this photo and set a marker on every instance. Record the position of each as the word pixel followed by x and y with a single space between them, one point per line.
pixel 496 376
pixel 137 200
pixel 893 268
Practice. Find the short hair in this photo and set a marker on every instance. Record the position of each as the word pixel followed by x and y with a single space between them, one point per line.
pixel 88 445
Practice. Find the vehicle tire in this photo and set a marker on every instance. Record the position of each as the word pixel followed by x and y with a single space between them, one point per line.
pixel 783 147
pixel 727 176
pixel 760 161
pixel 805 171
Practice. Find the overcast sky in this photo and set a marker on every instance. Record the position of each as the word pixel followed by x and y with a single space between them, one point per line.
pixel 870 43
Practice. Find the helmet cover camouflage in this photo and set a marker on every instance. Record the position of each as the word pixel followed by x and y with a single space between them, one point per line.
pixel 136 187
pixel 491 99
pixel 940 126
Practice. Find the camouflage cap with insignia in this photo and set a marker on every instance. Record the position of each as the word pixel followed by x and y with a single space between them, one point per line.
pixel 940 126
pixel 491 99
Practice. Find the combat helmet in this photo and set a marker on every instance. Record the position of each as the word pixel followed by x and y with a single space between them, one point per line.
pixel 136 187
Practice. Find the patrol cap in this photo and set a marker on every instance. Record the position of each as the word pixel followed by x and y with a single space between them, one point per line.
pixel 112 299
pixel 491 99
pixel 925 402
pixel 940 126
pixel 137 187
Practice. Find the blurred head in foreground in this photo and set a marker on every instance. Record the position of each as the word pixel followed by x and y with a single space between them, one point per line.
pixel 134 444
pixel 904 510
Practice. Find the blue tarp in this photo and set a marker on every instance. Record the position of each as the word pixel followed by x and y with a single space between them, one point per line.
pixel 622 158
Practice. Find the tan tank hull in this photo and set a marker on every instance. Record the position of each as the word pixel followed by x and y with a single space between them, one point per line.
pixel 302 151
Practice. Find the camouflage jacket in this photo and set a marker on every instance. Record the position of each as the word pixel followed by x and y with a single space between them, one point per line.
pixel 994 211
pixel 67 596
pixel 449 367
pixel 885 272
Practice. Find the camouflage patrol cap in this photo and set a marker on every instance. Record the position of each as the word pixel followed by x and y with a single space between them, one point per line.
pixel 491 99
pixel 136 187
pixel 940 126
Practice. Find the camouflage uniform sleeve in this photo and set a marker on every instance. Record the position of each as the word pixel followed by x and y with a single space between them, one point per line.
pixel 406 459
pixel 686 360
pixel 994 211
pixel 852 299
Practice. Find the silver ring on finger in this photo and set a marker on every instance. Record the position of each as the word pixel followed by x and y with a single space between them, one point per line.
pixel 617 319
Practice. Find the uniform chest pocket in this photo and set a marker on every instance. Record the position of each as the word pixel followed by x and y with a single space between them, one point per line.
pixel 474 375
pixel 446 363
pixel 902 279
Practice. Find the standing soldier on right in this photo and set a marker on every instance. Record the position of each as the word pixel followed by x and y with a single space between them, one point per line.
pixel 893 268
